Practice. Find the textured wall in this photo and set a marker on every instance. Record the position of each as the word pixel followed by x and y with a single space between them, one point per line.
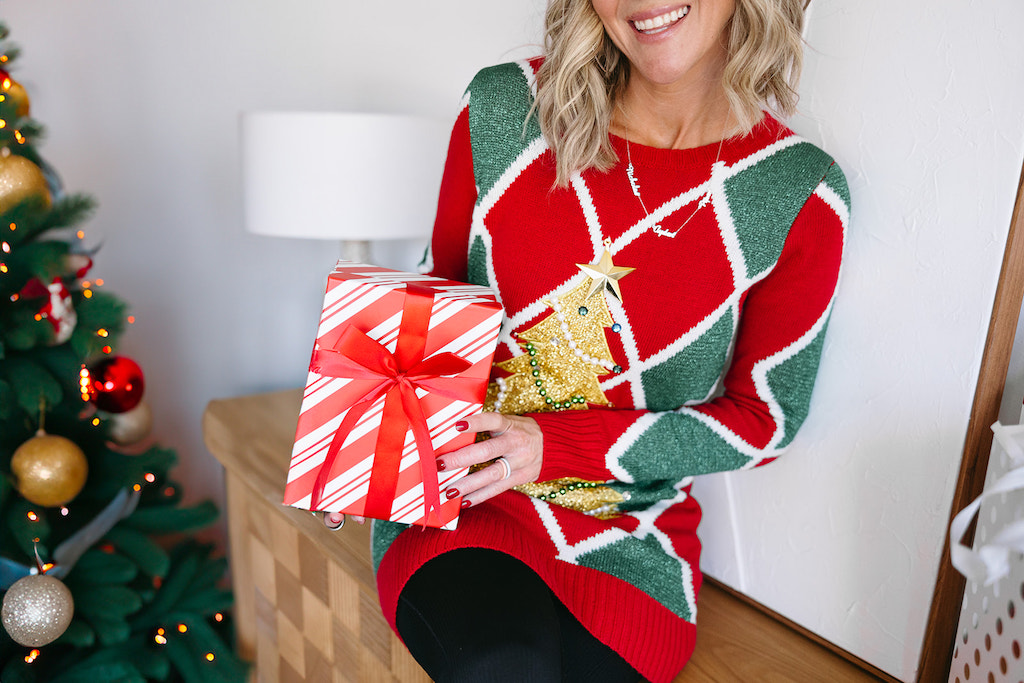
pixel 924 113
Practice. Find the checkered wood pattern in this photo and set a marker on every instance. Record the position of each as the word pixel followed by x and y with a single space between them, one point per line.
pixel 302 616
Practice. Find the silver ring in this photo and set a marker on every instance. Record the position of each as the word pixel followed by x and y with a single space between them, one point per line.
pixel 506 466
pixel 508 426
pixel 333 528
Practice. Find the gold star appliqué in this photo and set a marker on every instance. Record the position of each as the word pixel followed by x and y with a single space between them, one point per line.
pixel 604 275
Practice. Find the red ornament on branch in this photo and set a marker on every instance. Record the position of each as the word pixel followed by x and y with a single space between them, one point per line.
pixel 113 384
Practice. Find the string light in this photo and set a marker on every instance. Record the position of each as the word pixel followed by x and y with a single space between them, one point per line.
pixel 150 477
pixel 64 511
pixel 3 267
pixel 169 491
pixel 87 293
pixel 6 247
pixel 3 124
pixel 14 297
pixel 182 628
pixel 137 487
pixel 47 567
pixel 6 85
pixel 131 320
pixel 13 227
pixel 31 656
pixel 99 282
pixel 19 137
pixel 95 422
pixel 107 349
pixel 83 382
pixel 102 332
pixel 160 640
pixel 32 516
pixel 80 234
pixel 218 617
pixel 209 656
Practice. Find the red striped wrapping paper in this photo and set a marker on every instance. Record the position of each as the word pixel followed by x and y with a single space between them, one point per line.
pixel 464 320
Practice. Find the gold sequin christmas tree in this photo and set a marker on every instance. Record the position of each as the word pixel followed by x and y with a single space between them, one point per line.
pixel 564 356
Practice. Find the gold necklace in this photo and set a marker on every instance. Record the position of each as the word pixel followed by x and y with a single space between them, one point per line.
pixel 705 197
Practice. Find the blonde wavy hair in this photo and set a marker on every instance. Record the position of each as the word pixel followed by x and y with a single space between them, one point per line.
pixel 584 74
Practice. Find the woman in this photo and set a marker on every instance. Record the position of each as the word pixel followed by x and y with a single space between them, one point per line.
pixel 667 255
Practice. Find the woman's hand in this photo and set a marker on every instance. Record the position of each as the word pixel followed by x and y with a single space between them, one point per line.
pixel 517 441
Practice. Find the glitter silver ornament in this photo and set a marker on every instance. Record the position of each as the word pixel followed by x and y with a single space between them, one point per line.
pixel 37 610
pixel 131 426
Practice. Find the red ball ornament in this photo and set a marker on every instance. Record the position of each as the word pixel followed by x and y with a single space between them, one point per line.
pixel 113 384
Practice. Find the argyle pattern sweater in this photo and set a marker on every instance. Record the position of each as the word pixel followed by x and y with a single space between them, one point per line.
pixel 720 330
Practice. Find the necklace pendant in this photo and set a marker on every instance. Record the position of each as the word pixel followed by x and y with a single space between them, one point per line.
pixel 658 230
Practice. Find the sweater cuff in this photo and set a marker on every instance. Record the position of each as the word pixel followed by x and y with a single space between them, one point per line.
pixel 575 444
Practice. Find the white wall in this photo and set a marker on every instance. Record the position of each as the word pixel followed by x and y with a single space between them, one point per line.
pixel 921 104
pixel 919 100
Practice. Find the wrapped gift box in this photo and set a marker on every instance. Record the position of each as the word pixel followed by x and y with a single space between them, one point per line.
pixel 399 359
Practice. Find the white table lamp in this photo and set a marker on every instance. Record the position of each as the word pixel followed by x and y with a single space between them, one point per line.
pixel 342 176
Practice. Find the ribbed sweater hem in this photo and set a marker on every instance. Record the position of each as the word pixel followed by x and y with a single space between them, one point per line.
pixel 656 642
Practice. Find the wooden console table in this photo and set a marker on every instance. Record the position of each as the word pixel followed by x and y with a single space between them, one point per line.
pixel 306 604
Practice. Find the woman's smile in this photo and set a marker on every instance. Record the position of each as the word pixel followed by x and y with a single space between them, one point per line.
pixel 661 22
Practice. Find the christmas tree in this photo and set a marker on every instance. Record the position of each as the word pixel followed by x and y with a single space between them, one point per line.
pixel 97 583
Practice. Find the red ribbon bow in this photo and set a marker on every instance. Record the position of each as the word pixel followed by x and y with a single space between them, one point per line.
pixel 358 357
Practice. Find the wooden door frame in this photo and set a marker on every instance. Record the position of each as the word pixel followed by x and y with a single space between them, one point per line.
pixel 940 633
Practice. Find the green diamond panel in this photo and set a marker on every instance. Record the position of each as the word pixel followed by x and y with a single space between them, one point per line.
pixel 644 564
pixel 690 374
pixel 499 101
pixel 765 199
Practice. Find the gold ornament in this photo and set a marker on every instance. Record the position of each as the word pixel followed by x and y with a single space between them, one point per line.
pixel 604 275
pixel 19 96
pixel 50 470
pixel 131 426
pixel 37 610
pixel 21 180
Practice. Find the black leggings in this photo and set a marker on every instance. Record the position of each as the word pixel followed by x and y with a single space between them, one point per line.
pixel 483 616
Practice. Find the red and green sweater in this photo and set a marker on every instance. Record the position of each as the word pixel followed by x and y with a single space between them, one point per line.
pixel 719 333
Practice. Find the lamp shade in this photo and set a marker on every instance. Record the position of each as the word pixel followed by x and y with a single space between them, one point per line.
pixel 341 176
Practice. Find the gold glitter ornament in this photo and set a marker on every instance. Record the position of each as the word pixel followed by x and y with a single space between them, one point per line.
pixel 50 470
pixel 21 180
pixel 37 610
pixel 19 96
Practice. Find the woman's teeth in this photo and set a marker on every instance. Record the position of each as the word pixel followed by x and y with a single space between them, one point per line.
pixel 659 24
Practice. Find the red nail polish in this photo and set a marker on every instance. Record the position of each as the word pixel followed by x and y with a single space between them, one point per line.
pixel 451 493
pixel 465 504
pixel 441 466
pixel 461 425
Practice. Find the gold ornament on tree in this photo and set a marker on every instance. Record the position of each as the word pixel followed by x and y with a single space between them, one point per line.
pixel 564 356
pixel 50 470
pixel 37 610
pixel 21 180
pixel 19 96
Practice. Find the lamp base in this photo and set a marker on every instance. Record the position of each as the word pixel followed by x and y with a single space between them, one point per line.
pixel 356 250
